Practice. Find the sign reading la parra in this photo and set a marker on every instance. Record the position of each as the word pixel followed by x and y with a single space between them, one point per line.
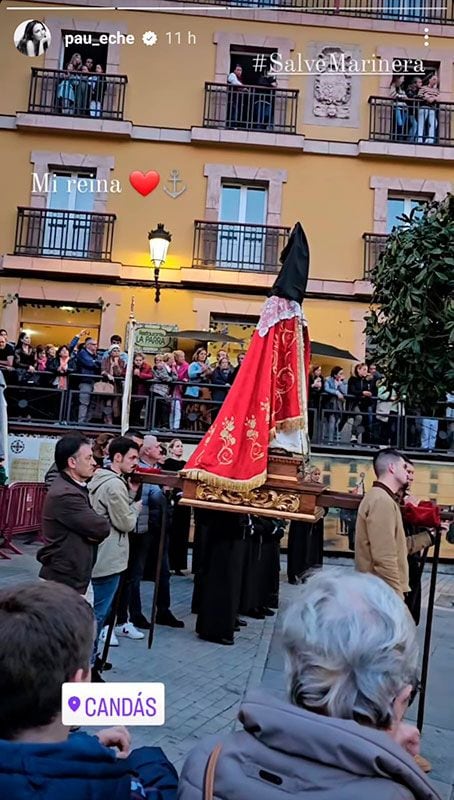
pixel 154 338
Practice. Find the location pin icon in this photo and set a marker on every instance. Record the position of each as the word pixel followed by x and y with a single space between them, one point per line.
pixel 74 703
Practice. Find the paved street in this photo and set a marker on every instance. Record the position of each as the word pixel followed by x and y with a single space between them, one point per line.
pixel 205 683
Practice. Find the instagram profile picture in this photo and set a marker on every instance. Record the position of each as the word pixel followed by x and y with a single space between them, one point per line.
pixel 32 38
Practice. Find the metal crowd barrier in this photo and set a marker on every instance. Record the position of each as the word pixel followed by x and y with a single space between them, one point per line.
pixel 20 511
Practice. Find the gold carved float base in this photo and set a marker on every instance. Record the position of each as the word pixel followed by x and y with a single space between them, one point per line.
pixel 284 494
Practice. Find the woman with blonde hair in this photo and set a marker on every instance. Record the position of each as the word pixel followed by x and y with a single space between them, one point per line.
pixel 199 371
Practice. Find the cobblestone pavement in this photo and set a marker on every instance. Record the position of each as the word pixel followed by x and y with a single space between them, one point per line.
pixel 205 683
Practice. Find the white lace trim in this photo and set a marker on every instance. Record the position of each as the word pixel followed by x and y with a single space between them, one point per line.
pixel 276 309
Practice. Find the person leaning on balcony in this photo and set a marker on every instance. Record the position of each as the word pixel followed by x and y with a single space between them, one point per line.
pixel 181 375
pixel 141 374
pixel 66 96
pixel 361 391
pixel 316 389
pixel 413 107
pixel 199 372
pixel 112 369
pixel 336 389
pixel 428 111
pixel 160 389
pixel 98 90
pixel 61 366
pixel 400 109
pixel 24 358
pixel 88 366
pixel 237 96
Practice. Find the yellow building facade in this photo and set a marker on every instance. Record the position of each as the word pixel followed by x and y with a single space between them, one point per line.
pixel 237 167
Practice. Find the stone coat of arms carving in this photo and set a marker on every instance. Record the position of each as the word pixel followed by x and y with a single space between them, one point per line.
pixel 332 87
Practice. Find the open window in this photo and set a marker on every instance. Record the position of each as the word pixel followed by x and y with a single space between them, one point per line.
pixel 90 49
pixel 249 58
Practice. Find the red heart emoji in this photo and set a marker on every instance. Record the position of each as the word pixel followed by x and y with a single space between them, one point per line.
pixel 144 183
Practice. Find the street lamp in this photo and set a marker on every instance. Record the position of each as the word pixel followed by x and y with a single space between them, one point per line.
pixel 159 244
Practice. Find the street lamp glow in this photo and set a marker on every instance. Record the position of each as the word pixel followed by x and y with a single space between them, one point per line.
pixel 159 244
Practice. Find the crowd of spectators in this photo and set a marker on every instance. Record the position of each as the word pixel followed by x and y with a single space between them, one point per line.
pixel 171 393
pixel 81 91
pixel 415 112
pixel 363 409
pixel 96 380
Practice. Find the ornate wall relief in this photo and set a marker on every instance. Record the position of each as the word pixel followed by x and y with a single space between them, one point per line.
pixel 331 95
pixel 333 89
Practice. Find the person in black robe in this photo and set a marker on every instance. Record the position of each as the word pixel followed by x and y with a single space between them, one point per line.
pixel 219 578
pixel 260 580
pixel 181 515
pixel 305 542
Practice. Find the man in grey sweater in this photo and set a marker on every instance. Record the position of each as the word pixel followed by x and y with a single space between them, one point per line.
pixel 113 495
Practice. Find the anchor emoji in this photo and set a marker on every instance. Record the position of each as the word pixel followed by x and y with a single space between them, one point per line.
pixel 174 180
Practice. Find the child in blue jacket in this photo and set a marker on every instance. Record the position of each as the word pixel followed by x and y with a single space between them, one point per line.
pixel 46 639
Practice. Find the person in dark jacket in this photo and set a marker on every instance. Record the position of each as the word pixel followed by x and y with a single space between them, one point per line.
pixel 71 529
pixel 50 475
pixel 46 639
pixel 222 379
pixel 88 365
pixel 361 392
pixel 352 666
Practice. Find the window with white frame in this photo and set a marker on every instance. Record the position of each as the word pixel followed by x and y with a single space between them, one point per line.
pixel 67 231
pixel 242 215
pixel 402 206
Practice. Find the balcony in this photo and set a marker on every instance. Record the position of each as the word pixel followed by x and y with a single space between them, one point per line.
pixel 374 245
pixel 54 234
pixel 254 108
pixel 417 11
pixel 236 246
pixel 56 91
pixel 33 401
pixel 411 124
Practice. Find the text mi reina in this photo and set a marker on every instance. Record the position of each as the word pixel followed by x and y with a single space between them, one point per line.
pixel 47 183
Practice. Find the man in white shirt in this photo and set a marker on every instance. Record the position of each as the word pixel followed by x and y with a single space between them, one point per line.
pixel 237 98
pixel 235 77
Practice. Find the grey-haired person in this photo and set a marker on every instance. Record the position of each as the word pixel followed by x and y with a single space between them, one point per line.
pixel 338 734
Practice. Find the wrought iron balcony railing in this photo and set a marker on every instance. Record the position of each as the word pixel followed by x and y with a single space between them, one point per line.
pixel 374 245
pixel 38 402
pixel 64 234
pixel 399 10
pixel 233 245
pixel 411 121
pixel 251 108
pixel 91 95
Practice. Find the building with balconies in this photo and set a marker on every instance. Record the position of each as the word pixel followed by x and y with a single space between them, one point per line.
pixel 238 165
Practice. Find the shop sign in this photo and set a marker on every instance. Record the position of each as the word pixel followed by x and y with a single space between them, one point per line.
pixel 153 338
